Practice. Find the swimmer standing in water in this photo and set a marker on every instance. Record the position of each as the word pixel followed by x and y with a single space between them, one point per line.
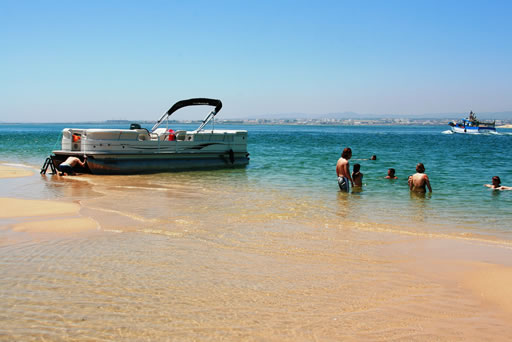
pixel 343 170
pixel 357 176
pixel 419 180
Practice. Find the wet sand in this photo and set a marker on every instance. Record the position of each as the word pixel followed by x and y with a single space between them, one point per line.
pixel 492 283
pixel 41 216
pixel 15 207
pixel 9 171
pixel 170 263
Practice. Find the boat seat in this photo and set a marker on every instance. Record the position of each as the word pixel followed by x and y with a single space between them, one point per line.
pixel 180 135
pixel 160 134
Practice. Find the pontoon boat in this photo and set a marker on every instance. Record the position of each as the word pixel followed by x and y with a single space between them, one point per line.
pixel 138 150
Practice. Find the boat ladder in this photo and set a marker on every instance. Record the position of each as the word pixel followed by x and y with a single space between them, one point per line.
pixel 48 163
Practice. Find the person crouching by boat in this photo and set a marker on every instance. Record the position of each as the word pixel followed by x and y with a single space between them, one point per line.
pixel 66 167
pixel 343 170
pixel 496 184
pixel 419 180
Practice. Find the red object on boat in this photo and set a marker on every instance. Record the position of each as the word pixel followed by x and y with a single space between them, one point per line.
pixel 172 136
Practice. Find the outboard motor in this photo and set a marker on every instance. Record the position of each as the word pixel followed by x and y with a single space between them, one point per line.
pixel 134 126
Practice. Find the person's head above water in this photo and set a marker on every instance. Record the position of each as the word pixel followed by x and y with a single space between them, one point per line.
pixel 374 157
pixel 347 153
pixel 357 167
pixel 496 181
pixel 391 172
pixel 420 168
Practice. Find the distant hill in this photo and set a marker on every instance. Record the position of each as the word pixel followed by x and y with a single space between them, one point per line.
pixel 352 115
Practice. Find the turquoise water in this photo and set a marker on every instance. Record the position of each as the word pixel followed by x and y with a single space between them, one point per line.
pixel 300 160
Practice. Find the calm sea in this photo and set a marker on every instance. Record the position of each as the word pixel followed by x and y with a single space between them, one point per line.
pixel 272 252
pixel 300 160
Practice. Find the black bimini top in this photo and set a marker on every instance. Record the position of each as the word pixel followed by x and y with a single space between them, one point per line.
pixel 192 102
pixel 195 102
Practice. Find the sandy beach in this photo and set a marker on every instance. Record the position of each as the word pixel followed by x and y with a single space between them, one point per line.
pixel 41 216
pixel 250 273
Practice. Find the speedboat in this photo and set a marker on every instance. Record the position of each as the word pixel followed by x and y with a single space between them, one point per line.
pixel 471 125
pixel 139 150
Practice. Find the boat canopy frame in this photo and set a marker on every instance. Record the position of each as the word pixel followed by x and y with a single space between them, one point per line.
pixel 192 102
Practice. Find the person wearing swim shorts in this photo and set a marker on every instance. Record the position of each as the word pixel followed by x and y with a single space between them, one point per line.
pixel 343 170
pixel 66 167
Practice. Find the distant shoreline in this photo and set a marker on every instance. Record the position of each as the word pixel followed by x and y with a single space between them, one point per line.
pixel 297 122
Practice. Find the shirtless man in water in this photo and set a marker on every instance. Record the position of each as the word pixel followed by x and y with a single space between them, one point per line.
pixel 343 170
pixel 419 180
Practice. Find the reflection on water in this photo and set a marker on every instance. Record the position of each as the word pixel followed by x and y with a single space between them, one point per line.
pixel 71 188
pixel 420 209
pixel 195 256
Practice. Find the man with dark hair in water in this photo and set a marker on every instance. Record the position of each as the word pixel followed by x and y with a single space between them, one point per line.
pixel 419 180
pixel 343 170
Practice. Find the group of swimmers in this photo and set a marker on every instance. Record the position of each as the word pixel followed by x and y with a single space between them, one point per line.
pixel 418 182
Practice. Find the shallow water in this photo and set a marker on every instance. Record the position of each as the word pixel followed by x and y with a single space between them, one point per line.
pixel 301 159
pixel 273 252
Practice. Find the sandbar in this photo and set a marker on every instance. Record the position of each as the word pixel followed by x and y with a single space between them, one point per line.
pixel 8 171
pixel 67 225
pixel 15 207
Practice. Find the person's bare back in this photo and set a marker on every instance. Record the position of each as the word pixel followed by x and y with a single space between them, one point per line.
pixel 419 181
pixel 66 167
pixel 342 168
pixel 72 161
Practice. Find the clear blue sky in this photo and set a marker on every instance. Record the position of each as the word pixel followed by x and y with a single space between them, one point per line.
pixel 97 60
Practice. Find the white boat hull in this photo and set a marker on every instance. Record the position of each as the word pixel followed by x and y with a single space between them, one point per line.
pixel 473 130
